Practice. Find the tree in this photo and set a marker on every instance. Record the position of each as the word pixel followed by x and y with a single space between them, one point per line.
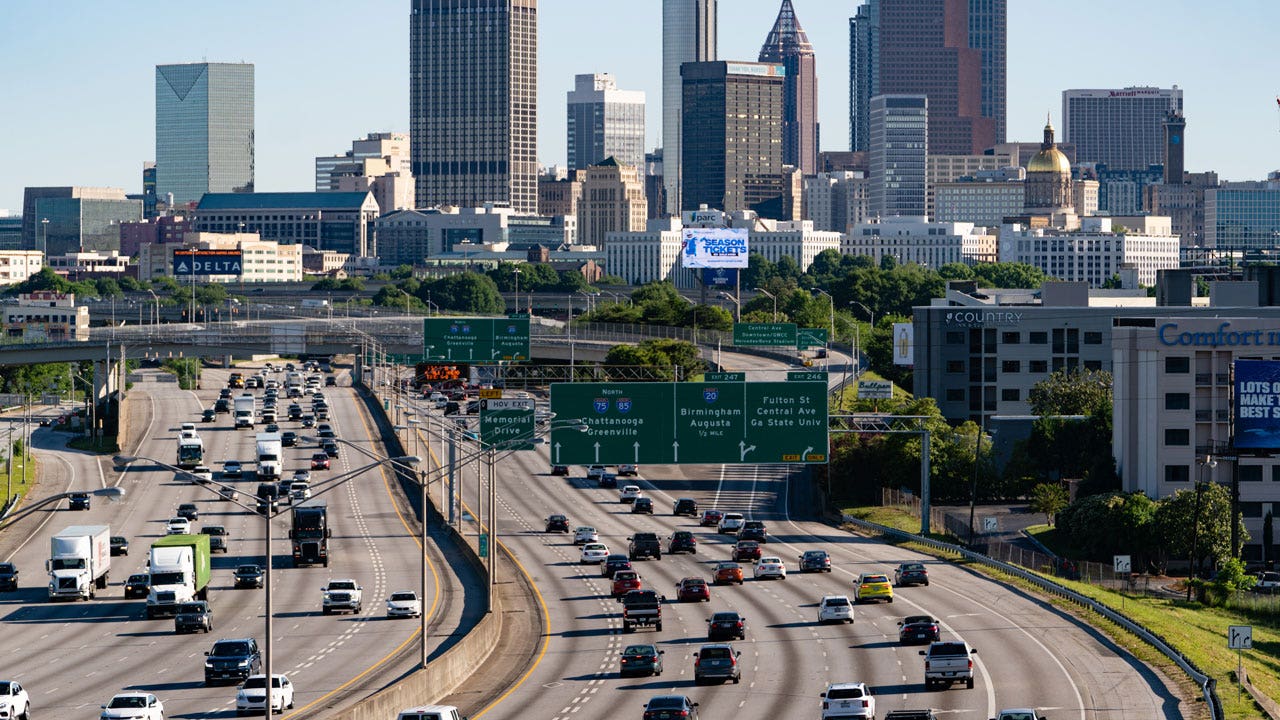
pixel 1008 275
pixel 1071 392
pixel 1048 498
pixel 1103 525
pixel 108 287
pixel 1175 525
pixel 466 292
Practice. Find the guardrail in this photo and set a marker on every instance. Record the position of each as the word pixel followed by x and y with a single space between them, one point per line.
pixel 1208 686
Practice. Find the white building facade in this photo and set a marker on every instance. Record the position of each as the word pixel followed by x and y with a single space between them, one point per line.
pixel 836 200
pixel 18 265
pixel 261 260
pixel 917 241
pixel 1094 253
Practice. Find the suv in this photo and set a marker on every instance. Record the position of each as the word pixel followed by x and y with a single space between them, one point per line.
pixel 726 624
pixel 685 506
pixel 79 501
pixel 188 511
pixel 193 616
pixel 716 662
pixel 753 530
pixel 682 541
pixel 644 544
pixel 248 576
pixel 730 523
pixel 848 700
pixel 642 505
pixel 8 576
pixel 233 660
pixel 341 595
pixel 217 537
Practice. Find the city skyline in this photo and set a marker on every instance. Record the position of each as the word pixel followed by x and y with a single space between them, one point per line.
pixel 92 123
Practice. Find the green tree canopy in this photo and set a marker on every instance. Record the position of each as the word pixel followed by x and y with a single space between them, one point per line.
pixel 1071 392
pixel 465 292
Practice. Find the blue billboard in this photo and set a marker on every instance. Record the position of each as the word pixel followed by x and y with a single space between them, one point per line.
pixel 722 278
pixel 1257 405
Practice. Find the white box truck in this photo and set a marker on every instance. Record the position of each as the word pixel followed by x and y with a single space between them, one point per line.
pixel 244 411
pixel 270 455
pixel 79 562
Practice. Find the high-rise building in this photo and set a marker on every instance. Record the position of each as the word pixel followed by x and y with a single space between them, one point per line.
pixel 61 220
pixel 1240 216
pixel 473 102
pixel 655 191
pixel 899 135
pixel 149 197
pixel 688 35
pixel 604 122
pixel 204 130
pixel 612 201
pixel 1175 130
pixel 787 45
pixel 379 164
pixel 732 145
pixel 952 51
pixel 1122 128
pixel 835 200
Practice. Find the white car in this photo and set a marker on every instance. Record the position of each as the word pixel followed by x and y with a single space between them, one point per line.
pixel 202 474
pixel 232 468
pixel 595 472
pixel 299 491
pixel 629 493
pixel 848 700
pixel 1019 714
pixel 178 526
pixel 404 603
pixel 594 553
pixel 14 702
pixel 770 567
pixel 136 706
pixel 437 396
pixel 228 493
pixel 730 523
pixel 585 534
pixel 253 694
pixel 835 608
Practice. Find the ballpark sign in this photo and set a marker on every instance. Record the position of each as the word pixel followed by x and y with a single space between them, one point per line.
pixel 714 248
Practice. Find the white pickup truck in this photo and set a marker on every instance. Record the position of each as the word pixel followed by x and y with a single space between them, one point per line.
pixel 342 595
pixel 948 662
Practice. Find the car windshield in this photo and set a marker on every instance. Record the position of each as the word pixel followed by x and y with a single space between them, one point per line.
pixel 127 701
pixel 1017 716
pixel 138 579
pixel 403 597
pixel 837 601
pixel 815 554
pixel 694 582
pixel 258 682
pixel 639 650
pixel 661 703
pixel 914 619
pixel 844 693
pixel 912 567
pixel 875 579
pixel 191 608
pixel 727 566
pixel 714 653
pixel 230 649
pixel 247 570
pixel 214 530
pixel 724 617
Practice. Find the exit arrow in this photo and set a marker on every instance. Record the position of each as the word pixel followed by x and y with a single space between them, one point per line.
pixel 597 446
pixel 637 458
pixel 743 449
pixel 806 452
pixel 557 453
pixel 675 452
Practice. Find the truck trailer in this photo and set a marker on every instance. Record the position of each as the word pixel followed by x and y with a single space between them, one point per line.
pixel 79 562
pixel 244 412
pixel 310 534
pixel 179 573
pixel 270 455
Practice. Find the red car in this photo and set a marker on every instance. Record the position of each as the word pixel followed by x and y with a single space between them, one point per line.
pixel 746 550
pixel 728 573
pixel 320 461
pixel 693 589
pixel 711 518
pixel 625 581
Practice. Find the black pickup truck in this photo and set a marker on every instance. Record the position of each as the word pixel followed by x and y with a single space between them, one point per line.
pixel 641 608
pixel 644 544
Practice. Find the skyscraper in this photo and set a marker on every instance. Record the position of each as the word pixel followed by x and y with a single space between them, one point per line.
pixel 688 35
pixel 732 157
pixel 953 51
pixel 204 130
pixel 473 102
pixel 612 201
pixel 899 137
pixel 604 122
pixel 1123 128
pixel 787 45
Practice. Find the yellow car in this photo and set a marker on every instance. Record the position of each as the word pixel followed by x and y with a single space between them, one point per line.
pixel 872 586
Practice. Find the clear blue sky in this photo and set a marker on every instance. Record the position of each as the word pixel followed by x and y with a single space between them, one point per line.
pixel 79 77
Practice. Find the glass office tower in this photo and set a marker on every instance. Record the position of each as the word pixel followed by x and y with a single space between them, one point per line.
pixel 204 130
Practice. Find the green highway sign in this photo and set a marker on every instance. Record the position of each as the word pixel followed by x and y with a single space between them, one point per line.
pixel 480 340
pixel 507 423
pixel 807 376
pixel 765 334
pixel 725 377
pixel 810 337
pixel 695 422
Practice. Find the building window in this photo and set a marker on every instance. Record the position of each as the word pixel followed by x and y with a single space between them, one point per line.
pixel 1251 509
pixel 1039 337
pixel 1092 338
pixel 1177 436
pixel 1250 473
pixel 1038 366
pixel 1011 366
pixel 1177 365
pixel 955 366
pixel 955 338
pixel 955 394
pixel 1177 473
pixel 1092 364
pixel 1010 338
pixel 1010 395
pixel 1177 401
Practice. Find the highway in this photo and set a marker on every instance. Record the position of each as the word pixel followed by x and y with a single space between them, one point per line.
pixel 1029 652
pixel 74 656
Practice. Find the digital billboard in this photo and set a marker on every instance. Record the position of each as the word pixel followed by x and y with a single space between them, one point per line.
pixel 714 248
pixel 1257 405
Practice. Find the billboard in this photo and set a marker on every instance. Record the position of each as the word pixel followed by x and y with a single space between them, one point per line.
pixel 904 341
pixel 714 248
pixel 207 262
pixel 721 278
pixel 1257 405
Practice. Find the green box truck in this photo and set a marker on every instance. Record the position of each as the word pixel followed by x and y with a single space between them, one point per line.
pixel 179 573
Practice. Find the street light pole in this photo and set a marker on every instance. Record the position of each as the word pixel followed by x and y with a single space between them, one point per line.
pixel 1209 462
pixel 773 297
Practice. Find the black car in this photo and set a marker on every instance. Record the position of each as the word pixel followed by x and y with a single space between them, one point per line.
pixel 8 576
pixel 608 480
pixel 193 616
pixel 330 448
pixel 642 505
pixel 753 530
pixel 137 586
pixel 295 412
pixel 682 541
pixel 726 625
pixel 918 629
pixel 208 415
pixel 189 511
pixel 557 523
pixel 644 544
pixel 815 561
pixel 613 564
pixel 248 576
pixel 222 406
pixel 119 545
pixel 330 381
pixel 217 537
pixel 670 707
pixel 685 506
pixel 289 439
pixel 911 574
pixel 640 660
pixel 225 393
pixel 232 660
pixel 561 470
pixel 308 421
pixel 79 501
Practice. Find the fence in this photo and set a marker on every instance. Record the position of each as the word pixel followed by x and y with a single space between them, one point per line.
pixel 940 523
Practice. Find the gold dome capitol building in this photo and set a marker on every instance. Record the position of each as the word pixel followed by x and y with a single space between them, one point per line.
pixel 1048 183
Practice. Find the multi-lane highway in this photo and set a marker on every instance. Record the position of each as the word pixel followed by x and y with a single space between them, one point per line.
pixel 1029 653
pixel 73 656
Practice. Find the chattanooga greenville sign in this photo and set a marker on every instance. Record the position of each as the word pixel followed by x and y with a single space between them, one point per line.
pixel 1170 335
pixel 981 318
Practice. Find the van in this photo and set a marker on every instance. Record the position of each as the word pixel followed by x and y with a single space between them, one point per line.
pixel 431 712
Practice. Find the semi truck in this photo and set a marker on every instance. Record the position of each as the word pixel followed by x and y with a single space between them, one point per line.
pixel 270 455
pixel 310 534
pixel 79 562
pixel 244 411
pixel 190 451
pixel 179 573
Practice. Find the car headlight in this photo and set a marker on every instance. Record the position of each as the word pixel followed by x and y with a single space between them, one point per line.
pixel 243 663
